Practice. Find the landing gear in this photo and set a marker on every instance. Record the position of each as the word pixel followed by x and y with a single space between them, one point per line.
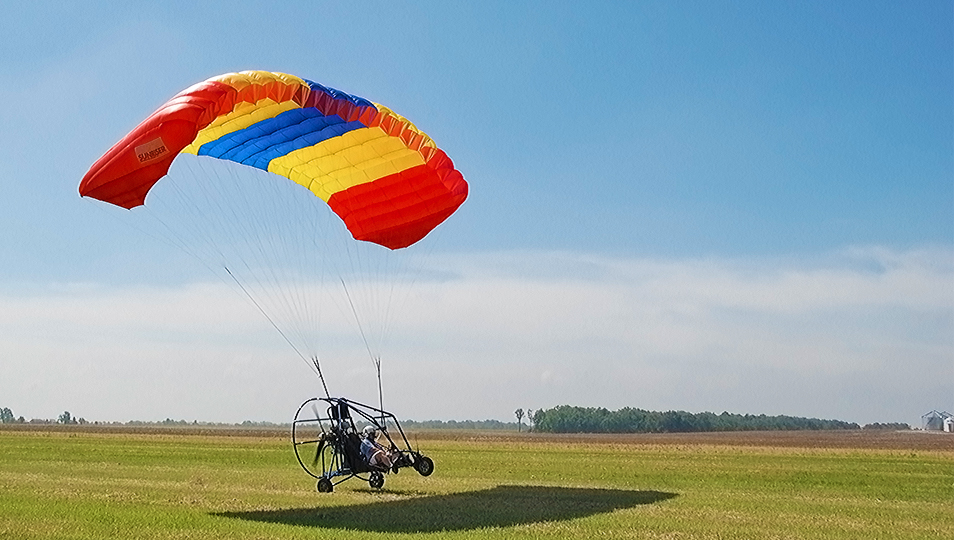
pixel 424 465
pixel 376 480
pixel 324 485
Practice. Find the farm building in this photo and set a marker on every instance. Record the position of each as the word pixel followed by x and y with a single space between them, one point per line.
pixel 936 421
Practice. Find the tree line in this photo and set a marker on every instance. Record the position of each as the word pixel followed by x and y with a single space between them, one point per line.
pixel 891 426
pixel 7 417
pixel 569 419
pixel 561 419
pixel 457 424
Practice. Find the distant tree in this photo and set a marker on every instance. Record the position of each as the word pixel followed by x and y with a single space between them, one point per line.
pixel 519 413
pixel 529 419
pixel 537 416
pixel 66 418
pixel 6 416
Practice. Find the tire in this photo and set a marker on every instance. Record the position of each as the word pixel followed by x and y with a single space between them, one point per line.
pixel 324 485
pixel 424 465
pixel 376 480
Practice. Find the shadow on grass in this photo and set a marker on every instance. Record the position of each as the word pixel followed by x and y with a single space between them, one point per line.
pixel 502 506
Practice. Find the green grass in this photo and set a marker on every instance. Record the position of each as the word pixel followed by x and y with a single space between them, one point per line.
pixel 93 486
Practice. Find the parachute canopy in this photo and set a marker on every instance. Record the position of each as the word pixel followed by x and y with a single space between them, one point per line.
pixel 383 177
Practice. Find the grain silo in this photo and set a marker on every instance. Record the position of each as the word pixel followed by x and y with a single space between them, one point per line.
pixel 934 420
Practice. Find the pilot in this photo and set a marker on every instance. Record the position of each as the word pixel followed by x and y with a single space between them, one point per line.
pixel 376 454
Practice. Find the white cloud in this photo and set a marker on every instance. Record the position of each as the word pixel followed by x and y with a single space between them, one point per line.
pixel 862 335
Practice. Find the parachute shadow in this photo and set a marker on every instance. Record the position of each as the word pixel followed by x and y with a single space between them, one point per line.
pixel 502 506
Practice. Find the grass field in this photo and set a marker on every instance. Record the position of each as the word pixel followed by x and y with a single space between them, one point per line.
pixel 82 484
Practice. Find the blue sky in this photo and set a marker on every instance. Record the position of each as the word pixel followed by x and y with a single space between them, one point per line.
pixel 742 206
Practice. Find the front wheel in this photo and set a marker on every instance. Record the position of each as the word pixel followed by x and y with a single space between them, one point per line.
pixel 424 465
pixel 376 480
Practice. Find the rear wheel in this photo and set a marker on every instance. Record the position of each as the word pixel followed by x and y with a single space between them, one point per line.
pixel 376 480
pixel 424 465
pixel 324 486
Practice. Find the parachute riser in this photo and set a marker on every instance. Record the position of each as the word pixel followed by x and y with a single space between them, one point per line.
pixel 321 376
pixel 377 365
